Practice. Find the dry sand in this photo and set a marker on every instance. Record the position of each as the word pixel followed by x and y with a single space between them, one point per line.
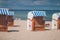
pixel 24 34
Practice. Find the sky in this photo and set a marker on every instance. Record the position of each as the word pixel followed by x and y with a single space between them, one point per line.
pixel 31 4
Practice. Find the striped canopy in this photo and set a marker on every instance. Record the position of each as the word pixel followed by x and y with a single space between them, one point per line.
pixel 11 13
pixel 5 11
pixel 58 15
pixel 39 13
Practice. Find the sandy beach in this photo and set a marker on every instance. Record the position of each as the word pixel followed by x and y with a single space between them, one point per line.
pixel 24 34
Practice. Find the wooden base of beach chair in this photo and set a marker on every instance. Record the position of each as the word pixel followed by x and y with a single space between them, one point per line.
pixel 10 24
pixel 39 28
pixel 38 23
pixel 3 28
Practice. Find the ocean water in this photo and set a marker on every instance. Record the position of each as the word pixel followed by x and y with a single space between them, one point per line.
pixel 22 14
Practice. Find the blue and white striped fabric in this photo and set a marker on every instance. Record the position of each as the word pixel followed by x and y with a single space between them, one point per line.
pixel 11 13
pixel 3 11
pixel 6 12
pixel 39 13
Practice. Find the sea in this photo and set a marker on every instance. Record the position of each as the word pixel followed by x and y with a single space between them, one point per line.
pixel 22 14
